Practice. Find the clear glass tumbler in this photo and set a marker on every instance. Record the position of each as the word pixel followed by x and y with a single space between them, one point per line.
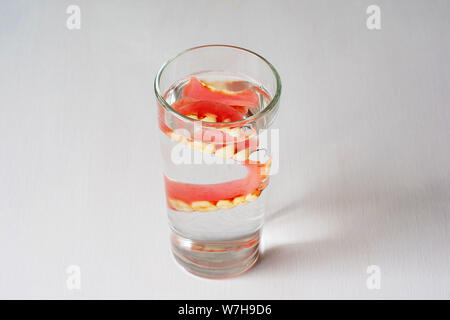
pixel 215 106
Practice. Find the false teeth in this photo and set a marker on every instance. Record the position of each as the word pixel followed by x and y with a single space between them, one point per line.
pixel 175 136
pixel 239 200
pixel 265 170
pixel 242 155
pixel 204 147
pixel 192 116
pixel 226 152
pixel 225 204
pixel 207 206
pixel 209 118
pixel 203 206
pixel 179 205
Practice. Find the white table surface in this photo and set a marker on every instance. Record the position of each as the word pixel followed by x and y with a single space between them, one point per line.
pixel 365 152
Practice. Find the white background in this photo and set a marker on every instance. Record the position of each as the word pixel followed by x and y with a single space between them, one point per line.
pixel 365 152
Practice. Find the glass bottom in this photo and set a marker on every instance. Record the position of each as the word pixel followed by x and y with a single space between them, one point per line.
pixel 216 259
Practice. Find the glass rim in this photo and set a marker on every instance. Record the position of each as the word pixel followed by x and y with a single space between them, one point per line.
pixel 270 106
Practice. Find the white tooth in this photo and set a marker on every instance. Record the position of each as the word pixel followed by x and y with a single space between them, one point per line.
pixel 209 148
pixel 193 116
pixel 179 205
pixel 175 136
pixel 251 197
pixel 209 118
pixel 234 132
pixel 225 204
pixel 202 146
pixel 239 200
pixel 242 155
pixel 203 206
pixel 265 170
pixel 226 152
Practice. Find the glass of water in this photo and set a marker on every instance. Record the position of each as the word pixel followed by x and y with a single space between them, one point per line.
pixel 215 106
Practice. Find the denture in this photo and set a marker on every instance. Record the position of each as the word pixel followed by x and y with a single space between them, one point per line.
pixel 205 103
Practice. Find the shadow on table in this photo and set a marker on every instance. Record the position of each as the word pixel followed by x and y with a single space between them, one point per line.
pixel 361 215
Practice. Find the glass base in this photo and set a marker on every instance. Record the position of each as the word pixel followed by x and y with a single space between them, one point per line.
pixel 216 259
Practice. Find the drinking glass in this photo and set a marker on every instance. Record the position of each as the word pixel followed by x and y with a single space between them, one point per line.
pixel 216 104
